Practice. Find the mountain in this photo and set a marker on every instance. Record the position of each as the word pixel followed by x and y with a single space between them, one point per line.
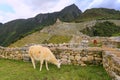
pixel 0 24
pixel 99 14
pixel 69 13
pixel 17 29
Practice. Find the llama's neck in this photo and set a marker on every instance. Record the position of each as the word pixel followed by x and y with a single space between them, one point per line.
pixel 54 61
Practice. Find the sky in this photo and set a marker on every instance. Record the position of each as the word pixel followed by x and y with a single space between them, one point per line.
pixel 18 9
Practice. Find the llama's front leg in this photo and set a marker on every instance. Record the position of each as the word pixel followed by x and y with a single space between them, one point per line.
pixel 46 65
pixel 33 62
pixel 41 63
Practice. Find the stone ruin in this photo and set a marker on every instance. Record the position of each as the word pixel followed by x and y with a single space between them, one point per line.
pixel 65 52
pixel 73 53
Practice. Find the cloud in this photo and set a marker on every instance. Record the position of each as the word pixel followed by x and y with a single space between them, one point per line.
pixel 29 8
pixel 83 4
pixel 87 4
pixel 20 10
pixel 113 4
pixel 48 5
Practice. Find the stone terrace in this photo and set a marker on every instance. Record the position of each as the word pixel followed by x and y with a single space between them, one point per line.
pixel 74 54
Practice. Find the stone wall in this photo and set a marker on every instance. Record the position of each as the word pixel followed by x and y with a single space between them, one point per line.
pixel 111 63
pixel 78 57
pixel 75 56
pixel 12 53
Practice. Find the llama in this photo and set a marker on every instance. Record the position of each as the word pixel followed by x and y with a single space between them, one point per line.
pixel 42 54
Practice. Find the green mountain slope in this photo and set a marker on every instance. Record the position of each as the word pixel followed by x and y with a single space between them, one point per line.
pixel 99 14
pixel 14 30
pixel 60 32
pixel 105 29
pixel 17 29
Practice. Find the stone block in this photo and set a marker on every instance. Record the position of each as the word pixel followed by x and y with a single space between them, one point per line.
pixel 77 57
pixel 64 61
pixel 64 56
pixel 84 59
pixel 71 58
pixel 83 65
pixel 90 53
pixel 26 58
pixel 90 58
pixel 98 59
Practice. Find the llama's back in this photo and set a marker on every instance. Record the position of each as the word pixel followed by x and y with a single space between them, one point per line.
pixel 35 52
pixel 39 52
pixel 47 54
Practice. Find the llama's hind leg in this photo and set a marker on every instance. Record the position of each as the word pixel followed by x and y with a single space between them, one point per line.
pixel 46 65
pixel 33 62
pixel 41 63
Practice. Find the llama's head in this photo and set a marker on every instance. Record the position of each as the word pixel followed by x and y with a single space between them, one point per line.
pixel 59 63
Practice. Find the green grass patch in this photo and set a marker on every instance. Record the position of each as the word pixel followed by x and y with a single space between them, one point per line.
pixel 19 70
pixel 97 45
pixel 118 46
pixel 59 39
pixel 36 38
pixel 117 34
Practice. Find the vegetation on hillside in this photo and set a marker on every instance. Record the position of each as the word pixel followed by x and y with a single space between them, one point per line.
pixel 14 30
pixel 56 39
pixel 102 29
pixel 116 34
pixel 62 31
pixel 19 70
pixel 35 38
pixel 99 14
pixel 17 29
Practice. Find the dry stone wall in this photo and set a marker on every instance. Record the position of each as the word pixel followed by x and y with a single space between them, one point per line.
pixel 78 57
pixel 12 53
pixel 111 63
pixel 72 54
pixel 75 56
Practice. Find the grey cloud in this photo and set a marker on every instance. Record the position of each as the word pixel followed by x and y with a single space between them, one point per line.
pixel 113 4
pixel 38 4
pixel 45 6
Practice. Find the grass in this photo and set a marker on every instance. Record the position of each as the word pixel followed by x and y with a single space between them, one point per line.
pixel 117 34
pixel 59 39
pixel 36 38
pixel 19 70
pixel 97 45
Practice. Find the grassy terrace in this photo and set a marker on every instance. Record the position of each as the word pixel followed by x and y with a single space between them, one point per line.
pixel 19 70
